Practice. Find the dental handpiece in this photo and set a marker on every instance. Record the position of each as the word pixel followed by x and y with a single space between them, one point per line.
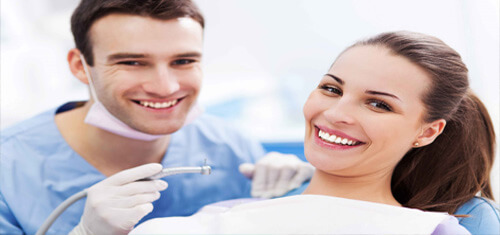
pixel 204 170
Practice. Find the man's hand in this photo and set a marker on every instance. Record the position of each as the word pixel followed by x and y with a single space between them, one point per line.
pixel 116 204
pixel 276 174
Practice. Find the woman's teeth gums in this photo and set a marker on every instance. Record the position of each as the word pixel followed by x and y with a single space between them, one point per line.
pixel 334 139
pixel 158 105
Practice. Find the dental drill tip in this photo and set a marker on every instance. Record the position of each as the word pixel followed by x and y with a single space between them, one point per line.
pixel 206 170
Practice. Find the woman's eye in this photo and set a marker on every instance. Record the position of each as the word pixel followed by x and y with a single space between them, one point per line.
pixel 378 104
pixel 331 89
pixel 182 61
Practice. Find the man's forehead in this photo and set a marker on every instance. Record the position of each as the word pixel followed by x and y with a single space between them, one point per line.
pixel 122 33
pixel 117 18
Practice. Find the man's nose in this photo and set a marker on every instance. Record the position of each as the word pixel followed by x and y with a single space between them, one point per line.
pixel 162 82
pixel 343 111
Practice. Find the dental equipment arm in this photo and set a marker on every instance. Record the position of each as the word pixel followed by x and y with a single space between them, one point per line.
pixel 131 180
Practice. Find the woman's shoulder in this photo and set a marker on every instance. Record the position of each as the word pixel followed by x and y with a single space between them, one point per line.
pixel 483 216
pixel 450 226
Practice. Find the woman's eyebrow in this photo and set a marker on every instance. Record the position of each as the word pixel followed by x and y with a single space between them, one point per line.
pixel 371 92
pixel 382 93
pixel 336 78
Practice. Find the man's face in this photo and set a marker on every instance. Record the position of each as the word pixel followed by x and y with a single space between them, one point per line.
pixel 147 71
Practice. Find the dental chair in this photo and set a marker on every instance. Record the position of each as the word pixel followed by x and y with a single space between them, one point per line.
pixel 484 214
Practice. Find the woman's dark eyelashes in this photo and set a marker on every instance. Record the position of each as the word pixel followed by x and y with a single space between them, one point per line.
pixel 375 103
pixel 380 105
pixel 331 89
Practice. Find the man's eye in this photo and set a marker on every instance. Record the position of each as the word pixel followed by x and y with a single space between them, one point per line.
pixel 378 104
pixel 131 63
pixel 331 89
pixel 183 61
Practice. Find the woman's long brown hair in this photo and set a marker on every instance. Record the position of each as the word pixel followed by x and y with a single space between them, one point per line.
pixel 456 166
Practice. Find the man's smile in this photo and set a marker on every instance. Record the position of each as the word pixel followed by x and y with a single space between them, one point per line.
pixel 158 104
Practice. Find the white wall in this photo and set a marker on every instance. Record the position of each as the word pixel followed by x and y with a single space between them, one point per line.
pixel 262 57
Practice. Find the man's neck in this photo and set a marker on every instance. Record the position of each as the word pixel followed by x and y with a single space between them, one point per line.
pixel 107 152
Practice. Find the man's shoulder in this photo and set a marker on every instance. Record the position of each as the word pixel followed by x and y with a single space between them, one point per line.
pixel 31 127
pixel 209 131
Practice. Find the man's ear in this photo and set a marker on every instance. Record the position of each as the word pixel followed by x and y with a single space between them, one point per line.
pixel 76 65
pixel 430 132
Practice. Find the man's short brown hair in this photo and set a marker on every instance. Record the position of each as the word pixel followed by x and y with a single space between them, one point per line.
pixel 88 11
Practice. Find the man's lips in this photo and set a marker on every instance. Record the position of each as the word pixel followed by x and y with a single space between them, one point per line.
pixel 158 104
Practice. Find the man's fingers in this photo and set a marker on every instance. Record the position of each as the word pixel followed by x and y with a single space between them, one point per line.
pixel 282 185
pixel 259 181
pixel 135 200
pixel 133 215
pixel 140 187
pixel 304 173
pixel 247 169
pixel 133 174
pixel 273 175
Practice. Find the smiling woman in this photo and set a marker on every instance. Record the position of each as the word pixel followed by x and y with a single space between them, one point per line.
pixel 393 130
pixel 402 97
pixel 394 121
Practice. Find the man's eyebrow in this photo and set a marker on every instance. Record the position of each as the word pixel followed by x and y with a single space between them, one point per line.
pixel 119 56
pixel 188 54
pixel 336 78
pixel 381 93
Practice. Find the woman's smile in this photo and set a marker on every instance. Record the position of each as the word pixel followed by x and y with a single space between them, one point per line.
pixel 333 139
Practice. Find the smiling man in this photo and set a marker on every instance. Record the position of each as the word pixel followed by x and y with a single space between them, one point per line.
pixel 141 60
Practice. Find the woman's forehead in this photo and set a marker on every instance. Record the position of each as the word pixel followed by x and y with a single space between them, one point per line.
pixel 376 67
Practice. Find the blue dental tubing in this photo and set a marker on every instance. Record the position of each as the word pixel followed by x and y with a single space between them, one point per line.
pixel 204 170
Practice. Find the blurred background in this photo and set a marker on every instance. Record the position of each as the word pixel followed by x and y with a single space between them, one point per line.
pixel 262 58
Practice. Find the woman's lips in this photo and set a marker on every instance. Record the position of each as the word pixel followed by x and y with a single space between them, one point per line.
pixel 335 139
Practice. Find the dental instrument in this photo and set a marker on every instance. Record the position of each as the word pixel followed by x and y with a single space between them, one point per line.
pixel 204 170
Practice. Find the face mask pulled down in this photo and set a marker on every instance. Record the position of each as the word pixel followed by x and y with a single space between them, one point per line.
pixel 100 117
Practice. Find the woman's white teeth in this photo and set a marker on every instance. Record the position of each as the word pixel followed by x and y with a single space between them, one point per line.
pixel 158 105
pixel 334 139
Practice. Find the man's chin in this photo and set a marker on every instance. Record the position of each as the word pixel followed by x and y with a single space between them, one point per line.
pixel 160 129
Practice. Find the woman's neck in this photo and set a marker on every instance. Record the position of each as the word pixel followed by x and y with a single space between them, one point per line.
pixel 374 187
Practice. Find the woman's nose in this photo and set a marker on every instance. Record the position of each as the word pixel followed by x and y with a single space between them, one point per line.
pixel 163 82
pixel 343 111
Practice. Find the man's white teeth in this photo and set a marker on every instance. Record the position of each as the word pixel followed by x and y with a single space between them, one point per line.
pixel 158 105
pixel 334 139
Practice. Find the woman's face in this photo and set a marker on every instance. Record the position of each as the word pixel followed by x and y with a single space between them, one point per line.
pixel 365 114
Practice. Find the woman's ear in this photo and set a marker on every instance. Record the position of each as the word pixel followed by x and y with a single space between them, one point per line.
pixel 76 65
pixel 430 132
